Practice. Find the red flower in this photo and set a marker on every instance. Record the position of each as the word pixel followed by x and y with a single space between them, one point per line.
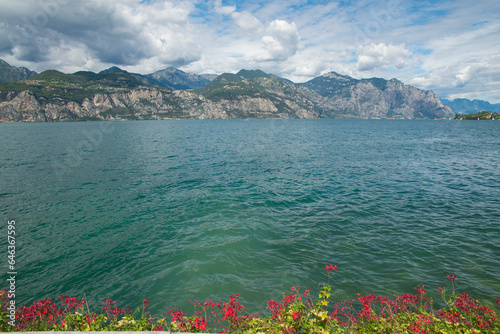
pixel 451 277
pixel 158 328
pixel 176 315
pixel 329 268
pixel 296 315
pixel 200 323
pixel 498 302
pixel 421 290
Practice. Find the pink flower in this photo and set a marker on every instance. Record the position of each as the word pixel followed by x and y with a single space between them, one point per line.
pixel 329 268
pixel 421 290
pixel 200 323
pixel 296 315
pixel 451 277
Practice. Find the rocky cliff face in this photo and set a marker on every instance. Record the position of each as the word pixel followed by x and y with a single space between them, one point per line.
pixel 377 98
pixel 247 94
pixel 140 104
pixel 135 104
pixel 255 94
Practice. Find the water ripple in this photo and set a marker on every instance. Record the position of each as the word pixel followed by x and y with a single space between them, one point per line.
pixel 202 209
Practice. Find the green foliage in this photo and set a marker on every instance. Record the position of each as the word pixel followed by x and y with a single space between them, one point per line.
pixel 216 89
pixel 296 312
pixel 252 74
pixel 50 75
pixel 482 116
pixel 54 86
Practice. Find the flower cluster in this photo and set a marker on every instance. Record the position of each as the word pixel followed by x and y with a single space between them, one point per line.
pixel 295 312
pixel 111 310
pixel 41 316
pixel 68 313
pixel 329 268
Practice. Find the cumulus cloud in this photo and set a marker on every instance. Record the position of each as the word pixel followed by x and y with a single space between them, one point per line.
pixel 224 10
pixel 426 81
pixel 464 76
pixel 381 55
pixel 280 38
pixel 114 32
pixel 247 22
pixel 450 42
pixel 282 41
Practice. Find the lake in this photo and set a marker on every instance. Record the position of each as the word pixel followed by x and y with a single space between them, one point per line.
pixel 201 209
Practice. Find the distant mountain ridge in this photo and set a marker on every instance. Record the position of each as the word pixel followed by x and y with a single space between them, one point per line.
pixel 170 78
pixel 377 98
pixel 115 94
pixel 466 106
pixel 12 73
pixel 176 79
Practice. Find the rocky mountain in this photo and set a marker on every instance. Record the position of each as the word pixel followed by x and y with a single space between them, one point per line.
pixel 55 96
pixel 114 69
pixel 116 94
pixel 466 106
pixel 209 76
pixel 256 94
pixel 377 98
pixel 12 73
pixel 175 79
pixel 112 95
pixel 170 78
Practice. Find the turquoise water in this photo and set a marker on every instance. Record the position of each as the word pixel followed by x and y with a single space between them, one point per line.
pixel 176 210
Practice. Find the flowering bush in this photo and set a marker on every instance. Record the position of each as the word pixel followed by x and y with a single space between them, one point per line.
pixel 295 312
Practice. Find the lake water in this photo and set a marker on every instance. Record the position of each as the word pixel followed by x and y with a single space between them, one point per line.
pixel 202 209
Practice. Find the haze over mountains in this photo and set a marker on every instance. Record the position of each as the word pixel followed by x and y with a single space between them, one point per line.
pixel 466 106
pixel 174 94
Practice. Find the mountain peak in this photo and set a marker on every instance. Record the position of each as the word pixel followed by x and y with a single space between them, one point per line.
pixel 12 73
pixel 176 79
pixel 112 69
pixel 252 74
pixel 168 70
pixel 335 75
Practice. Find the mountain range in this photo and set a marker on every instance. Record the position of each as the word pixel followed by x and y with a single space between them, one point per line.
pixel 12 73
pixel 170 78
pixel 465 106
pixel 115 94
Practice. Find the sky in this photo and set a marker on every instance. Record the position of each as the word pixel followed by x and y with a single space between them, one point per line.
pixel 449 47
